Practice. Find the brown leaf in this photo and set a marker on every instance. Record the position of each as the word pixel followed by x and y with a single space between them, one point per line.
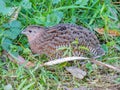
pixel 23 61
pixel 110 32
pixel 79 88
pixel 76 72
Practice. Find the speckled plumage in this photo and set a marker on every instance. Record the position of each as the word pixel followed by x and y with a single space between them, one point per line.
pixel 48 40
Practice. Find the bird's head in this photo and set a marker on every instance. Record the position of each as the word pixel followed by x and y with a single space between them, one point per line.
pixel 32 31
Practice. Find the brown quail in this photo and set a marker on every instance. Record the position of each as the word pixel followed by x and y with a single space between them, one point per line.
pixel 48 40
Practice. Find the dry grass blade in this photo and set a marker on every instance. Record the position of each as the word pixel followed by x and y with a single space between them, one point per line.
pixel 61 60
pixel 14 16
pixel 116 2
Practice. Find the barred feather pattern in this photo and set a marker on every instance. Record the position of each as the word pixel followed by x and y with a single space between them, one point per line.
pixel 62 35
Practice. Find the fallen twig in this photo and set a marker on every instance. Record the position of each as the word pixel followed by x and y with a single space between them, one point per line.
pixel 105 65
pixel 20 60
pixel 116 2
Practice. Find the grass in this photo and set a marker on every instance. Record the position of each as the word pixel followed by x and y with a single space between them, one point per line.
pixel 88 13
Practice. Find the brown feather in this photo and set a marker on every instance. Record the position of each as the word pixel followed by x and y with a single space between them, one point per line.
pixel 48 40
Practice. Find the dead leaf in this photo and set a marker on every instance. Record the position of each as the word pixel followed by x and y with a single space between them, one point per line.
pixel 19 60
pixel 79 88
pixel 8 87
pixel 23 61
pixel 110 32
pixel 76 72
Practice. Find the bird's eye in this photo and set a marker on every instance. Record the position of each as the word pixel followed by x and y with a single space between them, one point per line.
pixel 30 31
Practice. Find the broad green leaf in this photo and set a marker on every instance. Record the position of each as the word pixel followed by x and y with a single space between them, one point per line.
pixel 9 34
pixel 1 33
pixel 2 3
pixel 12 34
pixel 54 18
pixel 40 20
pixel 26 4
pixel 14 30
pixel 8 11
pixel 59 16
pixel 82 2
pixel 6 44
pixel 5 10
pixel 55 1
pixel 12 24
pixel 15 23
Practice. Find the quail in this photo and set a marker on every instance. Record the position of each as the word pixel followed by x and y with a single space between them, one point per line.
pixel 48 40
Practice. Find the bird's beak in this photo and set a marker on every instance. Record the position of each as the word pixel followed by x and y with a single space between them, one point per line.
pixel 23 32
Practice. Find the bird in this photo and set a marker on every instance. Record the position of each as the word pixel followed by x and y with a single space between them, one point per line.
pixel 54 41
